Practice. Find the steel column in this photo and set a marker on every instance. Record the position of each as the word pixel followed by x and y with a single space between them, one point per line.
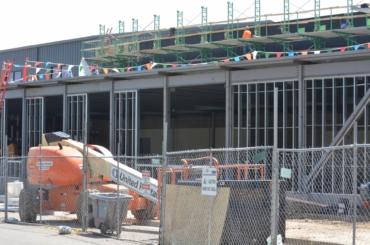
pixel 112 147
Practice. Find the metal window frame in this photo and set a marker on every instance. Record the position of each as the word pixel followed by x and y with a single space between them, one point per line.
pixel 31 124
pixel 133 118
pixel 78 121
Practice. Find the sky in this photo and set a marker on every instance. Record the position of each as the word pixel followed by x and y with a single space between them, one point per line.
pixel 24 23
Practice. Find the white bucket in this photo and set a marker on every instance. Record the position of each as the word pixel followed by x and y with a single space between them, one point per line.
pixel 14 189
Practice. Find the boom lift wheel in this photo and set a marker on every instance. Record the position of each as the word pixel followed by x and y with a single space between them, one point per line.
pixel 28 204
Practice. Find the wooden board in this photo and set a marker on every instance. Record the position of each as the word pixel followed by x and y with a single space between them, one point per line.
pixel 186 219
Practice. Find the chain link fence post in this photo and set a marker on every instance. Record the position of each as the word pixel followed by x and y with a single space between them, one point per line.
pixel 118 208
pixel 163 191
pixel 40 191
pixel 275 175
pixel 354 184
pixel 84 182
pixel 6 177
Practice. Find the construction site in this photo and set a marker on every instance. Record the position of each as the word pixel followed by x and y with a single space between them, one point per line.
pixel 241 131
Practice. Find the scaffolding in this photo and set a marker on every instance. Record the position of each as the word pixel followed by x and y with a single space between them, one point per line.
pixel 124 48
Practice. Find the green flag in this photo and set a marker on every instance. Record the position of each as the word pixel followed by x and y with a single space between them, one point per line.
pixel 267 54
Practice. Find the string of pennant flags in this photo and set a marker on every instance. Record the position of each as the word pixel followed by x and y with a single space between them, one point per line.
pixel 58 69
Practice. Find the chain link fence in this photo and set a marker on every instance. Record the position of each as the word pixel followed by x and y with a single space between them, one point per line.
pixel 323 194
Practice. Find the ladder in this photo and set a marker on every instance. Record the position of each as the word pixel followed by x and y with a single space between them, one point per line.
pixel 6 73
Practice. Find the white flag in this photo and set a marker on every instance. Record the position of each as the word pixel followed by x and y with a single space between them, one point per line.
pixel 254 53
pixel 38 70
pixel 115 69
pixel 84 68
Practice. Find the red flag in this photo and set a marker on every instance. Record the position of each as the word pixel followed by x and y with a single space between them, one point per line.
pixel 342 49
pixel 37 64
pixel 226 60
pixel 25 71
pixel 174 65
pixel 368 45
pixel 47 76
pixel 128 69
pixel 278 54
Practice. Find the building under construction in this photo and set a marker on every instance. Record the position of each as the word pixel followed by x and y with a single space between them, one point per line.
pixel 198 86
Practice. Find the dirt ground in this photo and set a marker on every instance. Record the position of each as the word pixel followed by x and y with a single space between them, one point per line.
pixel 324 232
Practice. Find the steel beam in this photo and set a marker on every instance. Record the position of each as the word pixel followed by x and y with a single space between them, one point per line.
pixel 357 112
pixel 112 147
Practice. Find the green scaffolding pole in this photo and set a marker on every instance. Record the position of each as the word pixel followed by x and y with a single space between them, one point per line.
pixel 317 16
pixel 180 31
pixel 230 21
pixel 204 38
pixel 257 17
pixel 157 33
pixel 350 13
pixel 285 28
pixel 101 38
pixel 135 37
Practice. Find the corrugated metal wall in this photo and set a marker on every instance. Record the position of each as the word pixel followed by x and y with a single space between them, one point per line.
pixel 64 52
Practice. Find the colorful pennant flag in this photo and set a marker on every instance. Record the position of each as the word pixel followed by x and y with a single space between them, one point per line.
pixel 38 70
pixel 115 70
pixel 174 65
pixel 139 68
pixel 317 52
pixel 278 54
pixel 248 56
pixel 254 53
pixel 267 54
pixel 304 53
pixel 47 76
pixel 291 53
pixel 357 47
pixel 37 64
pixel 342 49
pixel 237 59
pixel 105 70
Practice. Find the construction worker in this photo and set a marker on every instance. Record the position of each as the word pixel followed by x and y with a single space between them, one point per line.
pixel 247 34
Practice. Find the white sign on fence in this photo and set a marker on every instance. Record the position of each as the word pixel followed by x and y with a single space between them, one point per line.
pixel 286 173
pixel 146 182
pixel 209 181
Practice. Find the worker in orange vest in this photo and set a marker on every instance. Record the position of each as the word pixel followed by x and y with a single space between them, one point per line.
pixel 247 34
